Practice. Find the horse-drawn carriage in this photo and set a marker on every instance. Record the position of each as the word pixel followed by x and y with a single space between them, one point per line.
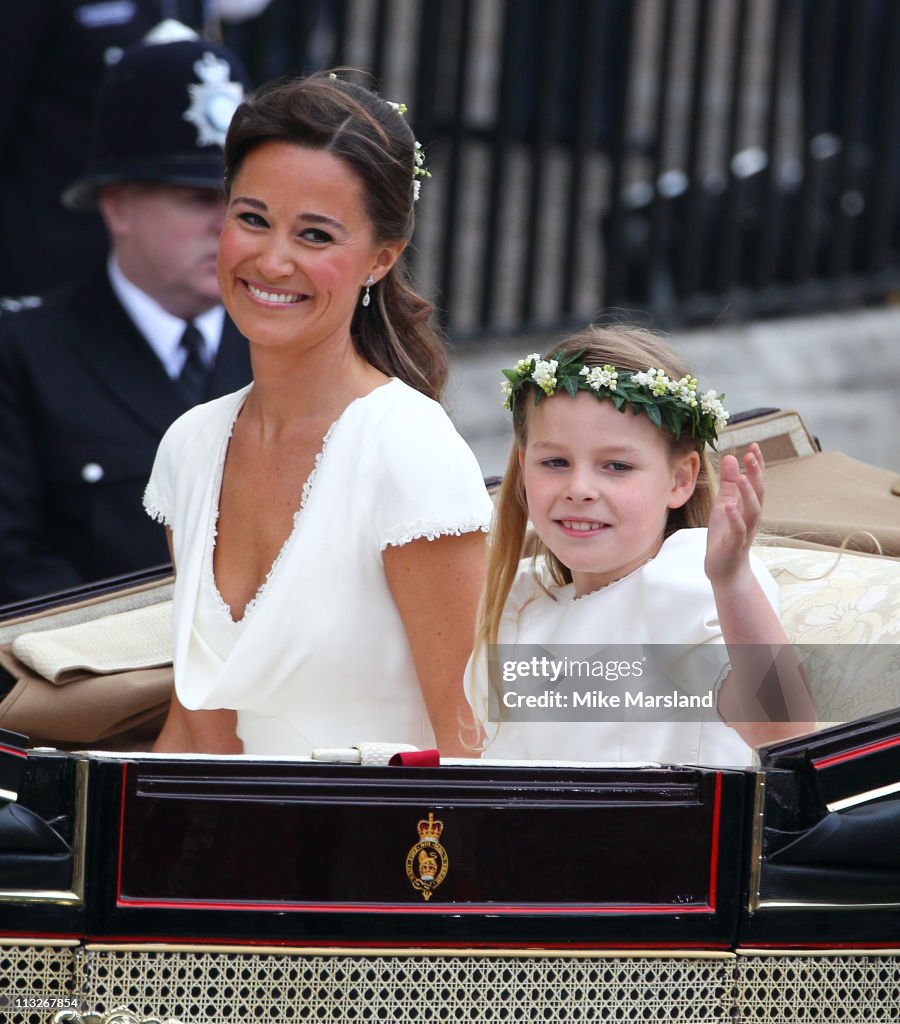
pixel 232 888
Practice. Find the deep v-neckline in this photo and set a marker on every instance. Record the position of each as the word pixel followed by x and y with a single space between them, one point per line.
pixel 305 492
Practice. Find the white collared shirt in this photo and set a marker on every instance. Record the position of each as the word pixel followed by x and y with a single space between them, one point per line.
pixel 162 330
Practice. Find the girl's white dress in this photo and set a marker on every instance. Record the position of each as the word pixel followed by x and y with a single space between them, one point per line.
pixel 666 610
pixel 320 657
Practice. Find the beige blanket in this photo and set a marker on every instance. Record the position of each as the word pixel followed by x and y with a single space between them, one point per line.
pixel 137 639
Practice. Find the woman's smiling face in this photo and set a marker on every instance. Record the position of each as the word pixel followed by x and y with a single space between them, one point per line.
pixel 599 485
pixel 297 247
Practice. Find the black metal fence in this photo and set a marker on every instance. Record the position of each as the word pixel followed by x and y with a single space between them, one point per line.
pixel 686 160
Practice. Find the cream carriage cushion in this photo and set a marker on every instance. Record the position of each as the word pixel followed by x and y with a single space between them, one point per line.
pixel 843 609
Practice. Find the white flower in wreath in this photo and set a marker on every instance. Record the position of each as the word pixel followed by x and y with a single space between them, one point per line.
pixel 686 390
pixel 601 377
pixel 655 381
pixel 544 375
pixel 709 403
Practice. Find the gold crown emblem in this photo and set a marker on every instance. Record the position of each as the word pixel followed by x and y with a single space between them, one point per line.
pixel 427 861
pixel 428 866
pixel 430 830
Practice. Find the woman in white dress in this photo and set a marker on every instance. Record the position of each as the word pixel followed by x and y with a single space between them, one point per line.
pixel 327 522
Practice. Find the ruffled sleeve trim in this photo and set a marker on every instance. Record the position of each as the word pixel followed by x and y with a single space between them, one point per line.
pixel 406 533
pixel 182 452
pixel 155 512
pixel 723 675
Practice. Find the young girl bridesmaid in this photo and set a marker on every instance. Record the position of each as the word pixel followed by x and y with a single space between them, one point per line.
pixel 609 465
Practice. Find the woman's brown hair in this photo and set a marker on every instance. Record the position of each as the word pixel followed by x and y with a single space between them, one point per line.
pixel 371 137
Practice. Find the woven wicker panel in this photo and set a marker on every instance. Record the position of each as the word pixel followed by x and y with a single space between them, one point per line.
pixel 35 973
pixel 818 988
pixel 212 987
pixel 207 987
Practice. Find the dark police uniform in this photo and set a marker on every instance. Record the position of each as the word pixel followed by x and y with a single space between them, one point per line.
pixel 84 399
pixel 84 402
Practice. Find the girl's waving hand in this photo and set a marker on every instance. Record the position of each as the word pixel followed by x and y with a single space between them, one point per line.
pixel 735 515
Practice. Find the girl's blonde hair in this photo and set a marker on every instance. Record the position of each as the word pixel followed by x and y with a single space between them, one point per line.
pixel 626 348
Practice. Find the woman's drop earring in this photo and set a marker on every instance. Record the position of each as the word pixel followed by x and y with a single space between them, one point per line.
pixel 367 298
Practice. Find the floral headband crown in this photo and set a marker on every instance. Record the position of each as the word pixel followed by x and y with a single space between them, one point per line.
pixel 673 405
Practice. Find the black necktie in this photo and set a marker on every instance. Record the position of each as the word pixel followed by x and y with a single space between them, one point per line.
pixel 194 377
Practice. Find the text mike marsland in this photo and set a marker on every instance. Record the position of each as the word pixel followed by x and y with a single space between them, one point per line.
pixel 600 699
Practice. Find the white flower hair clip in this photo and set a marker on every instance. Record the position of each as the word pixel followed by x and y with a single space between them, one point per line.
pixel 419 170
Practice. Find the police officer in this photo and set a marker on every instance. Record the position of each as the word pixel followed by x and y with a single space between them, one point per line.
pixel 53 55
pixel 92 375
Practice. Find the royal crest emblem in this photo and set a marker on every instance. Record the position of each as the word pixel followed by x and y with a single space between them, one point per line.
pixel 213 101
pixel 427 861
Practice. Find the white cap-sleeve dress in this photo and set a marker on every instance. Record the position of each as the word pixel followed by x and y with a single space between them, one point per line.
pixel 320 657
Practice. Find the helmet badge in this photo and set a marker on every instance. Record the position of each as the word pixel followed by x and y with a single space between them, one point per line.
pixel 213 101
